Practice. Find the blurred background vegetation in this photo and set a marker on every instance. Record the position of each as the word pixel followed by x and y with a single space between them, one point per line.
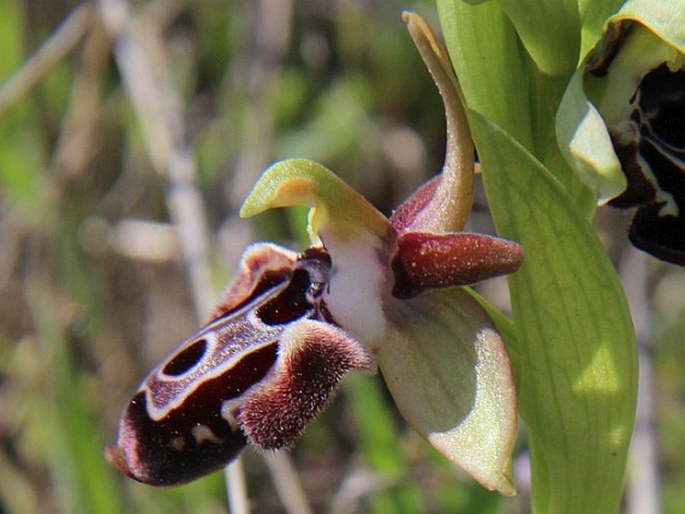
pixel 129 135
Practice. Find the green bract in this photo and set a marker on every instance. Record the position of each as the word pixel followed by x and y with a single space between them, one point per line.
pixel 575 358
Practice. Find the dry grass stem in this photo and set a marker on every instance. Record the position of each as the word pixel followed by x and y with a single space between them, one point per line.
pixel 78 137
pixel 270 42
pixel 53 50
pixel 287 483
pixel 138 50
pixel 643 491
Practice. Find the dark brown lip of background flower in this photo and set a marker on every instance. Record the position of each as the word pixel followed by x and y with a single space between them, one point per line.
pixel 651 149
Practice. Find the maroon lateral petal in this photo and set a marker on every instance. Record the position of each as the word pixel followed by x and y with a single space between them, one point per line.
pixel 426 261
pixel 406 213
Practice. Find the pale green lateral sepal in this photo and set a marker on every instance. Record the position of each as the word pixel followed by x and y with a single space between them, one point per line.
pixel 450 376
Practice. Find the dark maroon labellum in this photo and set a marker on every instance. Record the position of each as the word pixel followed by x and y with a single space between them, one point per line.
pixel 651 148
pixel 193 439
pixel 184 421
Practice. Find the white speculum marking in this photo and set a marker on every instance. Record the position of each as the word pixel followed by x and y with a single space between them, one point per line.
pixel 629 132
pixel 203 433
pixel 227 408
pixel 214 363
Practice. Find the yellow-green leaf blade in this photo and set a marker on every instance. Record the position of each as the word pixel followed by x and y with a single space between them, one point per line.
pixel 576 346
pixel 549 32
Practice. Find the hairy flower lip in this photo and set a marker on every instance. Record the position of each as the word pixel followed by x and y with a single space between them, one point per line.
pixel 261 368
pixel 313 358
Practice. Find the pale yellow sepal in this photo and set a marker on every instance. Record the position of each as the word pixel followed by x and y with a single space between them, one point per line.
pixel 585 143
pixel 663 18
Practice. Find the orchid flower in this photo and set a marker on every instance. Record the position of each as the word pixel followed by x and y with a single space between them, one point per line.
pixel 370 293
pixel 627 99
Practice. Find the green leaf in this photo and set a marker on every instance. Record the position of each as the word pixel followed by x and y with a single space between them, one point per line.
pixel 549 30
pixel 576 352
pixel 594 14
pixel 501 81
pixel 490 63
pixel 558 35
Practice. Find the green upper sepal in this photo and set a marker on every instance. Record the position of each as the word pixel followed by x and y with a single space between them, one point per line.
pixel 336 208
